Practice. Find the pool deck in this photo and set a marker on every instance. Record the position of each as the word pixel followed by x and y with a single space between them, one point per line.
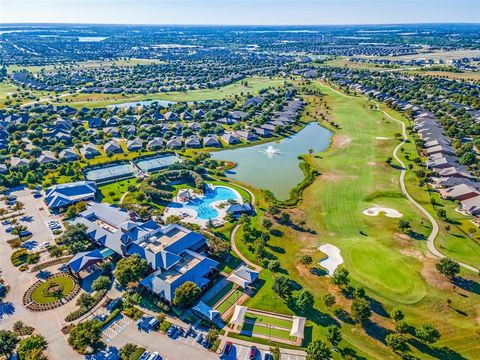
pixel 189 215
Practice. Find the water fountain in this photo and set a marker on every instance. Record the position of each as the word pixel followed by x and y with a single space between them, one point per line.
pixel 270 151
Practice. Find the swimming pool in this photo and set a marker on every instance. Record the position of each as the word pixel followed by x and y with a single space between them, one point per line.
pixel 202 205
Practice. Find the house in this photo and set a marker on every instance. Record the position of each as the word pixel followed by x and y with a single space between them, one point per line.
pixel 472 205
pixel 187 116
pixel 17 162
pixel 155 143
pixel 193 142
pixel 89 150
pixel 459 192
pixel 95 123
pixel 70 154
pixel 263 132
pixel 211 141
pixel 47 157
pixel 171 116
pixel 112 131
pixel 112 147
pixel 175 143
pixel 61 196
pixel 205 312
pixel 246 135
pixel 135 144
pixel 230 138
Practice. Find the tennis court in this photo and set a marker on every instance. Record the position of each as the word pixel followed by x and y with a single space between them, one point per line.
pixel 107 173
pixel 157 163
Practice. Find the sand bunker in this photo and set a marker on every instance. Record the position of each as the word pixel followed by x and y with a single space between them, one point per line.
pixel 374 211
pixel 333 257
pixel 381 138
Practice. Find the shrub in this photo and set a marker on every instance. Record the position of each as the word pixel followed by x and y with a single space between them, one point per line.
pixel 19 257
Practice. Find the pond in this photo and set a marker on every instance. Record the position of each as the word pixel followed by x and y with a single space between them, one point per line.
pixel 274 166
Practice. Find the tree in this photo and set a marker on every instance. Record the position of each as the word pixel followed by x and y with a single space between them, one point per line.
pixel 267 224
pixel 85 334
pixel 306 259
pixel 185 294
pixel 404 225
pixel 304 300
pixel 448 267
pixel 442 213
pixel 428 333
pixel 85 300
pixel 8 342
pixel 130 269
pixel 360 310
pixel 212 335
pixel 285 217
pixel 282 286
pixel 340 277
pixel 274 265
pixel 75 238
pixel 389 160
pixel 401 327
pixel 397 315
pixel 55 251
pixel 31 344
pixel 318 350
pixel 101 283
pixel 329 300
pixel 275 351
pixel 130 299
pixel 395 341
pixel 334 335
pixel 127 351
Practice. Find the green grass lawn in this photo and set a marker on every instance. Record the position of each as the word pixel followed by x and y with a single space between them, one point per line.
pixel 231 299
pixel 266 331
pixel 269 320
pixel 394 268
pixel 112 192
pixel 255 84
pixel 219 295
pixel 65 281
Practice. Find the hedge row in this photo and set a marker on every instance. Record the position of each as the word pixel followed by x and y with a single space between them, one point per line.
pixel 77 314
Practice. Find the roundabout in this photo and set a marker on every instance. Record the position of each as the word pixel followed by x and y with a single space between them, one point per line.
pixel 51 292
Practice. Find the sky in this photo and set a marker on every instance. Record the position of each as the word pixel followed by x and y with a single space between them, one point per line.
pixel 240 12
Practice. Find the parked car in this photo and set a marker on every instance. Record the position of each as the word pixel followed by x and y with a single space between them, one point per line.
pixel 228 347
pixel 253 353
pixel 268 356
pixel 25 233
pixel 172 330
pixel 9 229
pixel 155 356
pixel 6 222
pixel 144 356
pixel 199 338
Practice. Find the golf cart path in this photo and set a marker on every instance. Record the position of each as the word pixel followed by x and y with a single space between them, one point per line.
pixel 431 238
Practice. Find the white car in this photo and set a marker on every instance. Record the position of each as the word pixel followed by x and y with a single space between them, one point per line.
pixel 46 243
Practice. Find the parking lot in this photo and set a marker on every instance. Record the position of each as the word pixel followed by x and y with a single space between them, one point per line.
pixel 242 352
pixel 177 348
pixel 38 220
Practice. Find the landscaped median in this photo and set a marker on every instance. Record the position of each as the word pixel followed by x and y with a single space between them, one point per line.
pixel 51 293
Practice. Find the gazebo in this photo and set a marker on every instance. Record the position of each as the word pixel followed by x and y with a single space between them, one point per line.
pixel 238 316
pixel 243 276
pixel 298 327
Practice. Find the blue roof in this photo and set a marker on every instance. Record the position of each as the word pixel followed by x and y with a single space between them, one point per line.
pixel 192 240
pixel 84 259
pixel 206 311
pixel 65 194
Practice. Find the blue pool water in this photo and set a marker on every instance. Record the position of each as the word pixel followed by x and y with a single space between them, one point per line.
pixel 202 205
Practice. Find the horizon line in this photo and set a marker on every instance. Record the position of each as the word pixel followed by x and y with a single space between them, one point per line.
pixel 3 24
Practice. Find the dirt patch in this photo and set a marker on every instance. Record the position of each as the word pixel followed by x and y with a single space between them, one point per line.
pixel 434 278
pixel 413 253
pixel 341 141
